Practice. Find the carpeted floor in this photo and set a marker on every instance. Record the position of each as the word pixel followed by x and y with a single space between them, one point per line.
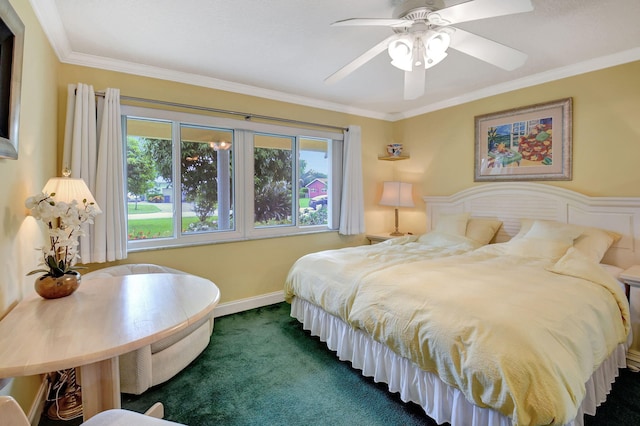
pixel 261 368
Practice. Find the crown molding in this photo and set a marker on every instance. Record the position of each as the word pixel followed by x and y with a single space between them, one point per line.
pixel 49 18
pixel 533 80
pixel 93 61
pixel 214 83
pixel 47 13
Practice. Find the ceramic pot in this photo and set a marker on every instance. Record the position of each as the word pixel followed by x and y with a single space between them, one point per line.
pixel 394 149
pixel 53 288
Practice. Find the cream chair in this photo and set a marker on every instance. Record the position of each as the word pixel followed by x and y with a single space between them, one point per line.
pixel 160 361
pixel 12 415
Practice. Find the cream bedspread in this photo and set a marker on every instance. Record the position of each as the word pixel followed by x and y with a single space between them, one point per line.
pixel 518 334
pixel 330 278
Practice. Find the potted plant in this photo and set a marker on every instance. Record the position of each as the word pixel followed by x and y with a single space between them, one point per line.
pixel 63 221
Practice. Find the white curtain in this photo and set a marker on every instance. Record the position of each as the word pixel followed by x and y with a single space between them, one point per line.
pixel 93 151
pixel 352 205
pixel 80 138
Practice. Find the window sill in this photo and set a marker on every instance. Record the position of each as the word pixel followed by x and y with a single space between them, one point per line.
pixel 225 241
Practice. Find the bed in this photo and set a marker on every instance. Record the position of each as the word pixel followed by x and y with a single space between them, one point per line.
pixel 330 278
pixel 556 364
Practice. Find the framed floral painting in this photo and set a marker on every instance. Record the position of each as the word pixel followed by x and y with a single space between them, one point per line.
pixel 529 143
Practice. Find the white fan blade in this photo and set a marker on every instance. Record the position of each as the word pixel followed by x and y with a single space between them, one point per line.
pixel 478 9
pixel 360 60
pixel 374 22
pixel 487 50
pixel 414 83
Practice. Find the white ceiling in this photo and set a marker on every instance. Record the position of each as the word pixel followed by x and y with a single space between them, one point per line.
pixel 284 49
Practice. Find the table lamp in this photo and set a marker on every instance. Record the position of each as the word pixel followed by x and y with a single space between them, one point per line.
pixel 67 403
pixel 68 189
pixel 397 194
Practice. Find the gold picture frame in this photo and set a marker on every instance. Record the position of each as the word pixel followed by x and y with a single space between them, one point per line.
pixel 528 143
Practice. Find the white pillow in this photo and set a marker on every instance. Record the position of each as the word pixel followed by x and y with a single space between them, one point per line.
pixel 575 264
pixel 549 230
pixel 455 224
pixel 525 226
pixel 538 248
pixel 482 230
pixel 444 239
pixel 592 242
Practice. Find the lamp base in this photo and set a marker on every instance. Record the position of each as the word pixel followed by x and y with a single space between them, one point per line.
pixel 396 233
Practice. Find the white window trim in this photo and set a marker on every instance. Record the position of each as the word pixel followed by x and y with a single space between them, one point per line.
pixel 243 199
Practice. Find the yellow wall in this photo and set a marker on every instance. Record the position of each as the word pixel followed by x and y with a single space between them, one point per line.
pixel 441 146
pixel 20 178
pixel 606 142
pixel 36 162
pixel 606 149
pixel 606 137
pixel 240 269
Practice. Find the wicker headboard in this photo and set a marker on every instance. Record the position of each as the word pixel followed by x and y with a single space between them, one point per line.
pixel 512 201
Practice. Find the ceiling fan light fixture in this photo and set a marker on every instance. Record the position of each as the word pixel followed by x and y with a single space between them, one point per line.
pixel 405 65
pixel 435 19
pixel 431 60
pixel 419 53
pixel 423 36
pixel 436 44
pixel 401 53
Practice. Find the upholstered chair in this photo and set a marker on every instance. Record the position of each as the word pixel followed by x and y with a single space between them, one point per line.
pixel 11 414
pixel 156 363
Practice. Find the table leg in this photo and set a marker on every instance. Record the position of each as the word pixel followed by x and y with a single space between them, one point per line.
pixel 100 383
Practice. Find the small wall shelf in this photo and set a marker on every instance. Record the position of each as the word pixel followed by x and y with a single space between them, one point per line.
pixel 393 157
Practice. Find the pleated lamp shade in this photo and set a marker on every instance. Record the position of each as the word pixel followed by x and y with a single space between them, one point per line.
pixel 68 189
pixel 397 194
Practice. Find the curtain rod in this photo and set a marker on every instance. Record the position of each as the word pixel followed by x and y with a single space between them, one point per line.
pixel 247 116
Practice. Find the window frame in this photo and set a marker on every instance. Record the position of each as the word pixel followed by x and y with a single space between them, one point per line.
pixel 242 177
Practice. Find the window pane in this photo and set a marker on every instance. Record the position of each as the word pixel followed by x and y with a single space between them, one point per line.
pixel 190 179
pixel 273 175
pixel 149 188
pixel 314 181
pixel 206 159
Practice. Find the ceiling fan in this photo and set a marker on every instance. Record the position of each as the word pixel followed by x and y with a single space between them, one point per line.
pixel 423 33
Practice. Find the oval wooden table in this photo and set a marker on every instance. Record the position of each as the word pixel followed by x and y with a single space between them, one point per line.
pixel 104 318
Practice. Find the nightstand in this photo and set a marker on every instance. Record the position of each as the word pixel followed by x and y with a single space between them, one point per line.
pixel 380 237
pixel 631 278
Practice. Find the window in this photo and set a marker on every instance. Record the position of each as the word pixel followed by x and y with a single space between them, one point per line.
pixel 194 179
pixel 273 170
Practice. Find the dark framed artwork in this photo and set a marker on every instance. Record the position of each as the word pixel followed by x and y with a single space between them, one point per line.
pixel 529 143
pixel 11 49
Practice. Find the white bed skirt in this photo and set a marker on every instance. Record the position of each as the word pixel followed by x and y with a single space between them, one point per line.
pixel 441 402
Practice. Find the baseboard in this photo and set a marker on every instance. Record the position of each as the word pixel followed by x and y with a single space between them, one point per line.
pixel 633 360
pixel 248 303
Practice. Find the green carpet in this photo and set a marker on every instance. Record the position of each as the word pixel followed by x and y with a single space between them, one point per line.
pixel 261 368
